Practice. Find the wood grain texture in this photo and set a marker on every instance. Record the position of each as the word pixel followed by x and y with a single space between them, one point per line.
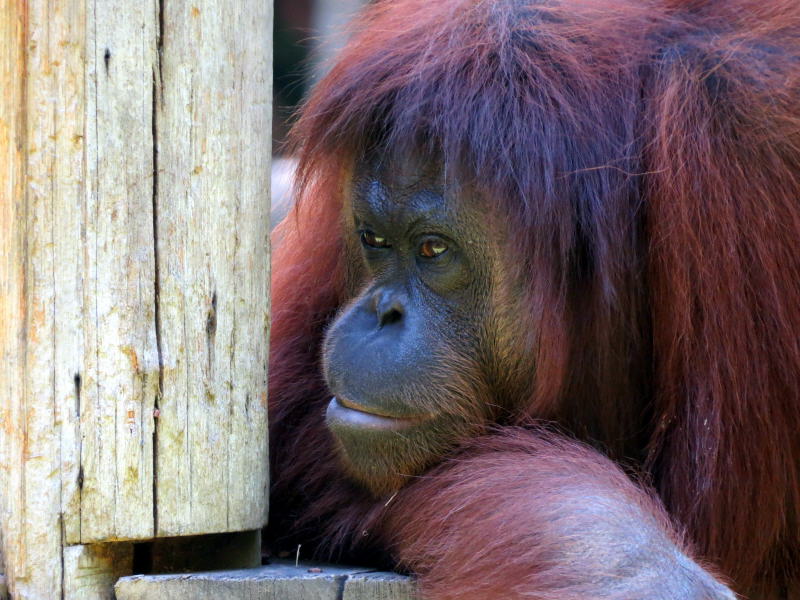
pixel 91 571
pixel 42 122
pixel 115 307
pixel 378 586
pixel 279 581
pixel 212 129
pixel 134 164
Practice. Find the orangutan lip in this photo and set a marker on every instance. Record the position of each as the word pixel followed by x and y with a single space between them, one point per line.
pixel 353 415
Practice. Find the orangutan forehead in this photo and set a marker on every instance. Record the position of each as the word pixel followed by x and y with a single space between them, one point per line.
pixel 403 171
pixel 415 194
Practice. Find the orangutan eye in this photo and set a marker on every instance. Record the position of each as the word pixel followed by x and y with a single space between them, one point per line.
pixel 432 248
pixel 369 239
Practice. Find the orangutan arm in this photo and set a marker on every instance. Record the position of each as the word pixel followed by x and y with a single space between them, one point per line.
pixel 533 515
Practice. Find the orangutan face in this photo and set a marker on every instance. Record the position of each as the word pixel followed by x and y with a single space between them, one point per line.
pixel 412 361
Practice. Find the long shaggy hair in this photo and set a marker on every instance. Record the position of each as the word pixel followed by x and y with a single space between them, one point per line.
pixel 646 156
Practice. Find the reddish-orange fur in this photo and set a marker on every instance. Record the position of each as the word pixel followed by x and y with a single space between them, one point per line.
pixel 663 139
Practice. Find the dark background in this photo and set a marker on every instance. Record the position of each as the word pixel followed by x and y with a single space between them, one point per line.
pixel 306 37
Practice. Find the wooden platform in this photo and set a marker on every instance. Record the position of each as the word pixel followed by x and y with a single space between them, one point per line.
pixel 279 581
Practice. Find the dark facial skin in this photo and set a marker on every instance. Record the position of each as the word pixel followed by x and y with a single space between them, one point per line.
pixel 412 361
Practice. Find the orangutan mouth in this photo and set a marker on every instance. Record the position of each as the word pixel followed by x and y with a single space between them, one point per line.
pixel 346 413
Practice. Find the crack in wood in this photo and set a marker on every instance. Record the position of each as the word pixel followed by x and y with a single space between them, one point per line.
pixel 77 381
pixel 157 277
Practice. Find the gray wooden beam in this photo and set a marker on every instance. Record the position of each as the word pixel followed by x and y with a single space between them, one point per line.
pixel 279 581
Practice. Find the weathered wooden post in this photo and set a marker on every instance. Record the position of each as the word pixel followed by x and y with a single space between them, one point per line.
pixel 134 281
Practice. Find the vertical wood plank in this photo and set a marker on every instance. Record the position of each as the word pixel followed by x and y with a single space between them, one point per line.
pixel 43 92
pixel 213 209
pixel 67 214
pixel 120 361
pixel 249 362
pixel 83 359
pixel 91 571
pixel 13 24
